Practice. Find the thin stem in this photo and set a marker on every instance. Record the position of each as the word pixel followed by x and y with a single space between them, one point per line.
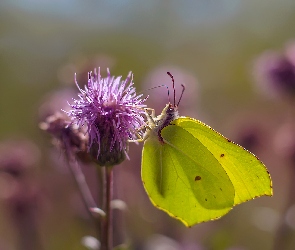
pixel 80 181
pixel 283 234
pixel 28 232
pixel 101 198
pixel 107 232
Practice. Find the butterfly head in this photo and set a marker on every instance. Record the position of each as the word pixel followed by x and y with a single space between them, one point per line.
pixel 170 112
pixel 171 109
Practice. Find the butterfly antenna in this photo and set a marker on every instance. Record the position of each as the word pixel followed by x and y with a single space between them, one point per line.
pixel 168 94
pixel 163 85
pixel 174 101
pixel 183 89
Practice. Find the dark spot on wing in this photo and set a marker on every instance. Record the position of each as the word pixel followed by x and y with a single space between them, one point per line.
pixel 221 155
pixel 214 196
pixel 205 199
pixel 220 189
pixel 197 178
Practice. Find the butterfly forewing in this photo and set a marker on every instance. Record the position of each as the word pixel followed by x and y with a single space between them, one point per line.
pixel 247 173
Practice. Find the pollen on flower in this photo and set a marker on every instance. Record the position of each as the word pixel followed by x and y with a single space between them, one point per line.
pixel 112 112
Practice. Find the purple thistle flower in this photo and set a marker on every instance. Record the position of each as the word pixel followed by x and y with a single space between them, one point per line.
pixel 112 112
pixel 276 74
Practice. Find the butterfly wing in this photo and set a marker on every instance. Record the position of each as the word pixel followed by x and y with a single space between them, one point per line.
pixel 183 178
pixel 246 172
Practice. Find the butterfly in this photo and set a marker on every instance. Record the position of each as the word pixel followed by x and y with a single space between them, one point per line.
pixel 194 173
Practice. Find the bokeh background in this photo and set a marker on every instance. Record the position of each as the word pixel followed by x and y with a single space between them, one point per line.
pixel 210 46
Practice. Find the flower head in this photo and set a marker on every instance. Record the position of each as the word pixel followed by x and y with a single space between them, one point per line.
pixel 112 111
pixel 66 135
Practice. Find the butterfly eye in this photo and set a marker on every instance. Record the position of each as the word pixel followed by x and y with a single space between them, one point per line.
pixel 170 110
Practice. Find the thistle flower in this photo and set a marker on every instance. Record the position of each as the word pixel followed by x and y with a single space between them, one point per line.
pixel 112 112
pixel 66 136
pixel 276 74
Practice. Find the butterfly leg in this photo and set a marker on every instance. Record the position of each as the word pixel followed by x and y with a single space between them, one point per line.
pixel 152 112
pixel 138 135
pixel 137 140
pixel 150 116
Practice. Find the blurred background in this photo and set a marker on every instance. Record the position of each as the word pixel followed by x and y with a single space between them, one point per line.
pixel 237 60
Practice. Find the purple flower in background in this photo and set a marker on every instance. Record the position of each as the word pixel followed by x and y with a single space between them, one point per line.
pixel 276 74
pixel 112 112
pixel 18 156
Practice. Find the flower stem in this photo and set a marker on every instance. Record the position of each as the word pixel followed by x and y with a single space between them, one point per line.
pixel 107 232
pixel 80 181
pixel 284 232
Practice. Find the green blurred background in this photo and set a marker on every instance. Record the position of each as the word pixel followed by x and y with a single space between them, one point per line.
pixel 43 43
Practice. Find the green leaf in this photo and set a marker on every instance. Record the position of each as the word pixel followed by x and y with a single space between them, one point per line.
pixel 196 175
